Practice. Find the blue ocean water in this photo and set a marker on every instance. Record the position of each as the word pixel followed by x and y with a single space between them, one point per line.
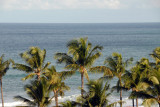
pixel 135 40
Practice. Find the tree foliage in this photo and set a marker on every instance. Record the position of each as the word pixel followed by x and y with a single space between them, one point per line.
pixel 34 59
pixel 38 92
pixel 80 56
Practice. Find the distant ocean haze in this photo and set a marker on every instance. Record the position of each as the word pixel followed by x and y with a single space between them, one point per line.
pixel 135 40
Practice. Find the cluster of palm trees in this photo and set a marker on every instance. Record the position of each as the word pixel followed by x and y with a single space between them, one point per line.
pixel 143 79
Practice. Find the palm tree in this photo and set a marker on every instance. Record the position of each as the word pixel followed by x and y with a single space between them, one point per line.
pixel 34 59
pixel 97 94
pixel 115 67
pixel 38 91
pixel 156 56
pixel 4 66
pixel 80 56
pixel 133 79
pixel 151 77
pixel 55 80
pixel 151 95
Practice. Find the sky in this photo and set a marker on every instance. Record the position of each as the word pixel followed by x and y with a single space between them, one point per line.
pixel 79 11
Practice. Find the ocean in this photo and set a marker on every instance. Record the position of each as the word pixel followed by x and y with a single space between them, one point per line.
pixel 135 40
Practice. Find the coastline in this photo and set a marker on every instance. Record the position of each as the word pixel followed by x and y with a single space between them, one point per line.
pixel 128 102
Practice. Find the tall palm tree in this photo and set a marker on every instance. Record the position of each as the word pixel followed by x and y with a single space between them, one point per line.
pixel 55 81
pixel 38 92
pixel 151 94
pixel 35 62
pixel 115 67
pixel 4 66
pixel 97 94
pixel 151 77
pixel 133 79
pixel 80 56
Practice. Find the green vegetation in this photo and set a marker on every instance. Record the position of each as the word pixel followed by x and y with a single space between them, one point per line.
pixel 80 56
pixel 97 95
pixel 142 79
pixel 4 66
pixel 115 67
pixel 133 79
pixel 55 81
pixel 38 92
pixel 34 59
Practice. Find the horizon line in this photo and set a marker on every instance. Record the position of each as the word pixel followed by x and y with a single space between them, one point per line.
pixel 73 22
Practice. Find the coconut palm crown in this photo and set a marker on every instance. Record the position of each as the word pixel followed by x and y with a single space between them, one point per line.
pixel 115 67
pixel 151 77
pixel 151 94
pixel 38 92
pixel 133 79
pixel 97 94
pixel 34 59
pixel 55 81
pixel 80 56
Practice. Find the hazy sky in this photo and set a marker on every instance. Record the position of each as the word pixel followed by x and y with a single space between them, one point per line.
pixel 79 11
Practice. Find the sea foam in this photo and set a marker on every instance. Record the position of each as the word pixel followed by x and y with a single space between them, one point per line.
pixel 128 102
pixel 60 99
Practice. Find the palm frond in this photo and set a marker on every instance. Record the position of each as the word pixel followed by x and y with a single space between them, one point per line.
pixel 22 67
pixel 89 46
pixel 31 75
pixel 115 104
pixel 1 58
pixel 149 102
pixel 46 66
pixel 128 62
pixel 156 54
pixel 73 67
pixel 65 74
pixel 111 63
pixel 95 49
pixel 73 43
pixel 42 55
pixel 118 88
pixel 86 74
pixel 106 78
pixel 101 69
pixel 90 60
pixel 29 102
pixel 154 80
pixel 4 66
pixel 63 58
pixel 140 94
pixel 29 59
pixel 70 104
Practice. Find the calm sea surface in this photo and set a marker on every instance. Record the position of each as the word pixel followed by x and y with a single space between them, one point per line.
pixel 131 40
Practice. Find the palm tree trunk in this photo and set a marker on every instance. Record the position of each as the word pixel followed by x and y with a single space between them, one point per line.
pixel 136 102
pixel 133 99
pixel 56 97
pixel 2 94
pixel 133 102
pixel 121 98
pixel 82 83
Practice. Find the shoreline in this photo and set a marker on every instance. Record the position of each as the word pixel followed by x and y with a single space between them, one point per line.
pixel 128 102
